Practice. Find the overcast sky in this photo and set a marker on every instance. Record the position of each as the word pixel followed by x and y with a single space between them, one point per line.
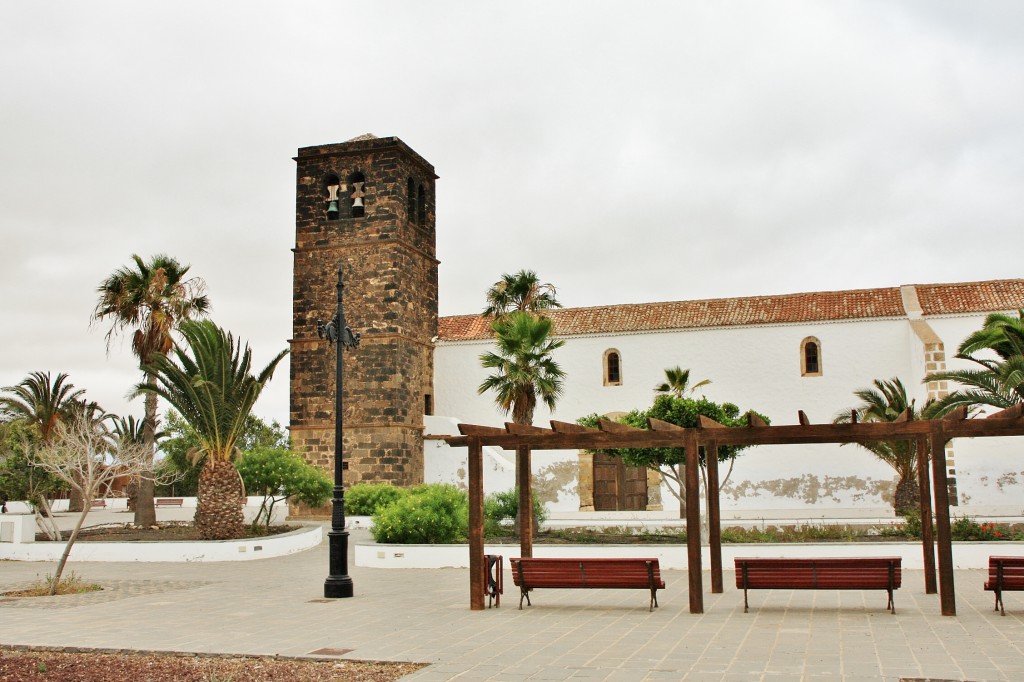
pixel 628 152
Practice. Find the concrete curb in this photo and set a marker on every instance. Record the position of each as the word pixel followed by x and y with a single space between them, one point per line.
pixel 965 554
pixel 212 550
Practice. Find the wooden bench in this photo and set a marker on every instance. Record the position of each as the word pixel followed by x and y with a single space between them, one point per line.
pixel 835 573
pixel 1005 574
pixel 643 574
pixel 169 501
pixel 99 504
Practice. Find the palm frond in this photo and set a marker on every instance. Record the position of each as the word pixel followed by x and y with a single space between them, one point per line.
pixel 209 381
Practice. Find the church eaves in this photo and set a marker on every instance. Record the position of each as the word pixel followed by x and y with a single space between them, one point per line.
pixel 819 306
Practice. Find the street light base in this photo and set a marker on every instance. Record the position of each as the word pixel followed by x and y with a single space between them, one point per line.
pixel 338 588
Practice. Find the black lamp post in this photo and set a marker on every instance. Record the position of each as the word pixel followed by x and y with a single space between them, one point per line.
pixel 338 583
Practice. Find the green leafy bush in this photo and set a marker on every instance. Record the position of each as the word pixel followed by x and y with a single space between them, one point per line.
pixel 966 528
pixel 802 533
pixel 430 514
pixel 366 499
pixel 278 474
pixel 505 505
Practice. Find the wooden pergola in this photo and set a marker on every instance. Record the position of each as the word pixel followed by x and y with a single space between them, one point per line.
pixel 927 434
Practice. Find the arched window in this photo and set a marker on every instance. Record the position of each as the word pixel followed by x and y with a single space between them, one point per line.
pixel 357 182
pixel 421 207
pixel 612 367
pixel 810 357
pixel 332 185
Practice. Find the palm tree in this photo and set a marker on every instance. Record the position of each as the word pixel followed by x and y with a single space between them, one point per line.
pixel 209 383
pixel 45 403
pixel 153 299
pixel 999 382
pixel 885 403
pixel 41 401
pixel 130 429
pixel 520 291
pixel 524 367
pixel 677 382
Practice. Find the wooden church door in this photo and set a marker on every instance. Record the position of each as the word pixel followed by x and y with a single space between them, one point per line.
pixel 618 487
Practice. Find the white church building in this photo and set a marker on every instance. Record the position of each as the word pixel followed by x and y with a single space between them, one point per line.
pixel 774 354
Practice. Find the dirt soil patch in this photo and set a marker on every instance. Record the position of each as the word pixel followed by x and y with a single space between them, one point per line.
pixel 165 532
pixel 65 666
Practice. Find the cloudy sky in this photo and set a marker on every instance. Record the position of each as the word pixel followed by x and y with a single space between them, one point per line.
pixel 628 152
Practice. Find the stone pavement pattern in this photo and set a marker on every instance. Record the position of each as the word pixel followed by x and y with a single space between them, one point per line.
pixel 275 606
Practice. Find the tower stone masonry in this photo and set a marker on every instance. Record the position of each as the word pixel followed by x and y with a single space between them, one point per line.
pixel 369 204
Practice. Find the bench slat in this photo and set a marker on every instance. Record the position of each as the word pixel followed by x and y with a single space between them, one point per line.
pixel 566 573
pixel 833 573
pixel 1005 574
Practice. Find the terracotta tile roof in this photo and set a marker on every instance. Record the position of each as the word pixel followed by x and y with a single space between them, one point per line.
pixel 971 297
pixel 819 306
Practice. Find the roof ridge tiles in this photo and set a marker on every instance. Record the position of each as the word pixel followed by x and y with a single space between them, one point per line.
pixel 800 307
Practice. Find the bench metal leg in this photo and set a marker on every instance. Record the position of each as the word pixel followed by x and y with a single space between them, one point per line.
pixel 891 606
pixel 654 599
pixel 999 602
pixel 745 607
pixel 523 593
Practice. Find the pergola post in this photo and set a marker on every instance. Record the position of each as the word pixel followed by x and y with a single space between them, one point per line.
pixel 925 509
pixel 714 517
pixel 693 563
pixel 476 524
pixel 563 436
pixel 947 597
pixel 525 501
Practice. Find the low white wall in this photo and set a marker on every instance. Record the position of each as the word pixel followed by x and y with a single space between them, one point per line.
pixel 965 554
pixel 185 512
pixel 224 550
pixel 17 528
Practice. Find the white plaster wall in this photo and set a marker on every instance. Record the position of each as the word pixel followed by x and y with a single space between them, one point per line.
pixel 444 464
pixel 758 368
pixel 989 471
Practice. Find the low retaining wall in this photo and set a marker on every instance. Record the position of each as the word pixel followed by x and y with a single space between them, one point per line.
pixel 965 554
pixel 210 550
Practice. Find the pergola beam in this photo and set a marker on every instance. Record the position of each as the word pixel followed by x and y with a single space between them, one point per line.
pixel 712 435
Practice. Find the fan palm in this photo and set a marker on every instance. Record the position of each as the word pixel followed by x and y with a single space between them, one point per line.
pixel 524 368
pixel 520 291
pixel 677 382
pixel 885 403
pixel 210 384
pixel 999 382
pixel 152 298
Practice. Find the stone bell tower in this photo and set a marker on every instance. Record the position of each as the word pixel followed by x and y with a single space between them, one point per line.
pixel 369 204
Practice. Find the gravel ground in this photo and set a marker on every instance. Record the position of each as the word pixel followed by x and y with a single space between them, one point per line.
pixel 39 665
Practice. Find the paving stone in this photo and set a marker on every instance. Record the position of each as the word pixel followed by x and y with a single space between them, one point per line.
pixel 274 606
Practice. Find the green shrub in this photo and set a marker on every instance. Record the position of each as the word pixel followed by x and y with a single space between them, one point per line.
pixel 505 505
pixel 965 528
pixel 366 499
pixel 278 474
pixel 429 514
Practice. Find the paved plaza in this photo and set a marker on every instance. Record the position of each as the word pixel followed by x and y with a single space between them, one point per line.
pixel 275 606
